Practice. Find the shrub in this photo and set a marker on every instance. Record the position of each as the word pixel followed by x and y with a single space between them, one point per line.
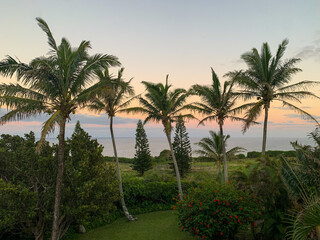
pixel 144 196
pixel 27 179
pixel 241 156
pixel 216 211
pixel 253 154
pixel 272 153
pixel 164 156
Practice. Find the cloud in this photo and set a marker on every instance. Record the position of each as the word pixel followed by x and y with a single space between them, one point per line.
pixel 299 116
pixel 311 51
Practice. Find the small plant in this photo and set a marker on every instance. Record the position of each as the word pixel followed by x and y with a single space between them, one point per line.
pixel 217 211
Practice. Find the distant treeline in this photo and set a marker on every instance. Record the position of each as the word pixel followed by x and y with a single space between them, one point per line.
pixel 165 156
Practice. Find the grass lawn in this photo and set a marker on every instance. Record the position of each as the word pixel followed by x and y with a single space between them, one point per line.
pixel 204 169
pixel 156 226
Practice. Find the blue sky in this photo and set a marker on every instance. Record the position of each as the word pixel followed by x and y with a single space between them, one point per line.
pixel 180 38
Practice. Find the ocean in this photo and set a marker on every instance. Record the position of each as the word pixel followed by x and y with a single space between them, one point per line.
pixel 125 146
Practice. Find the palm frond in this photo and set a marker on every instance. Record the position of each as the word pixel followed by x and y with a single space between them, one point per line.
pixel 303 113
pixel 44 26
pixel 48 127
pixel 20 113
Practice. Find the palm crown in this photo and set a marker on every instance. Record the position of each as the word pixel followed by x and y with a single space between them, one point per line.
pixel 52 84
pixel 266 80
pixel 218 103
pixel 162 105
pixel 111 94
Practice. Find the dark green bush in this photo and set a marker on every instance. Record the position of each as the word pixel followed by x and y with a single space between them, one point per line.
pixel 142 196
pixel 272 153
pixel 164 156
pixel 216 211
pixel 241 156
pixel 253 154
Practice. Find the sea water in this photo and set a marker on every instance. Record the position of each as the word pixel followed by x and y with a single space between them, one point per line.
pixel 125 146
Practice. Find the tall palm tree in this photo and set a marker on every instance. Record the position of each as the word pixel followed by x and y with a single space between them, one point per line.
pixel 112 94
pixel 162 105
pixel 218 104
pixel 266 80
pixel 211 148
pixel 51 85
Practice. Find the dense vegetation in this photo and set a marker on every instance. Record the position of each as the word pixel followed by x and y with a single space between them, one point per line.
pixel 71 184
pixel 27 185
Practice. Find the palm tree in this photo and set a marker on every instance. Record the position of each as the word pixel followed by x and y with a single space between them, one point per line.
pixel 212 148
pixel 162 105
pixel 112 97
pixel 217 104
pixel 51 85
pixel 266 80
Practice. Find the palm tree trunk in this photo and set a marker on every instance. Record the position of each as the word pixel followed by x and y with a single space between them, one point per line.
pixel 225 166
pixel 57 197
pixel 123 204
pixel 264 138
pixel 176 168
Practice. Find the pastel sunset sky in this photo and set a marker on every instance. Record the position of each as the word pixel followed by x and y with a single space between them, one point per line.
pixel 182 38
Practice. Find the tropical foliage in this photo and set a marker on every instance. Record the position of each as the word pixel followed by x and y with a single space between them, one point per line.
pixel 218 104
pixel 302 178
pixel 27 185
pixel 267 80
pixel 217 211
pixel 160 104
pixel 51 85
pixel 111 95
pixel 211 148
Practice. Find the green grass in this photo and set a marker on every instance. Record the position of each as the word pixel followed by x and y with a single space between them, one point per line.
pixel 156 226
pixel 207 169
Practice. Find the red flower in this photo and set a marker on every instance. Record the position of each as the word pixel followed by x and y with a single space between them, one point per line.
pixel 208 225
pixel 221 233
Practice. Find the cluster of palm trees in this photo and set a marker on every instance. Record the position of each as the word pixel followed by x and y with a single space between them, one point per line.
pixel 62 82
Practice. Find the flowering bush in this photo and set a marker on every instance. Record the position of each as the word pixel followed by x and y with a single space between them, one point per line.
pixel 216 211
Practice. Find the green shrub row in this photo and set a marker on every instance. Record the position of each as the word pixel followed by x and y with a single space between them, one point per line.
pixel 272 153
pixel 142 196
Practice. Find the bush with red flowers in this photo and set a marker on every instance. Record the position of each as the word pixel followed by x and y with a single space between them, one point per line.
pixel 216 211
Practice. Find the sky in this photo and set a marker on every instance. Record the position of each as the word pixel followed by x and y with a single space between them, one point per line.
pixel 182 38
